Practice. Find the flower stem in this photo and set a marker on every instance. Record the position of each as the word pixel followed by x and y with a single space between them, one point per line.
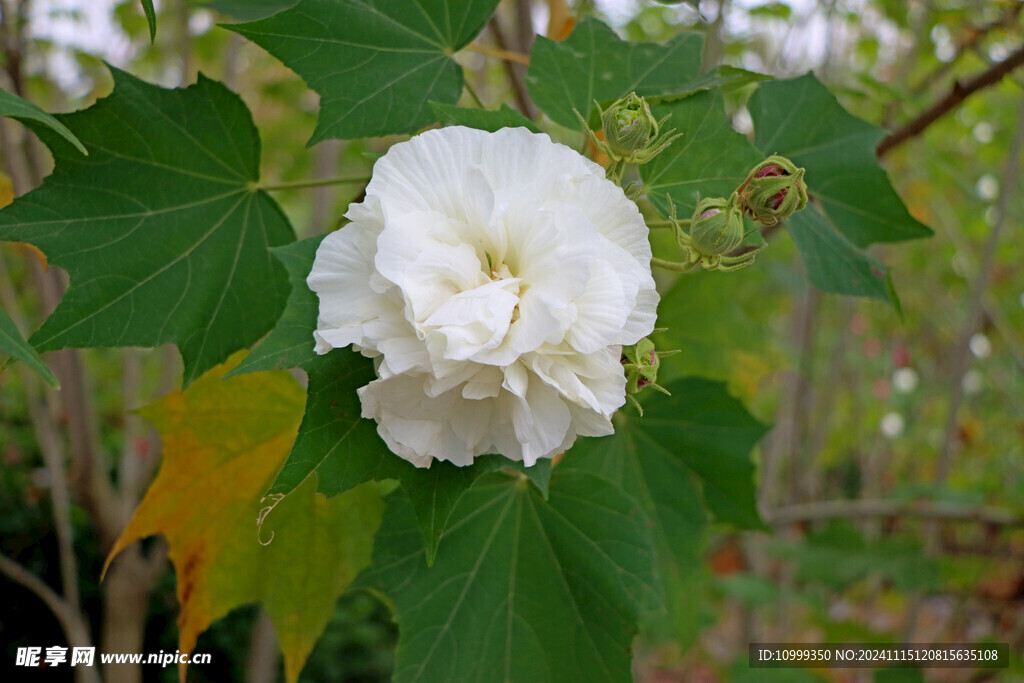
pixel 301 184
pixel 677 266
pixel 614 171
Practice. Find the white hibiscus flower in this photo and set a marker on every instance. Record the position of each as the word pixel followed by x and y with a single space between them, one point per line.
pixel 493 277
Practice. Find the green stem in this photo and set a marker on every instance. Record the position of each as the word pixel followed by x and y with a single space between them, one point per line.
pixel 614 172
pixel 301 184
pixel 682 222
pixel 472 93
pixel 677 266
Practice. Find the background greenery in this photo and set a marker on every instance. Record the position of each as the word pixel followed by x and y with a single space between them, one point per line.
pixel 884 425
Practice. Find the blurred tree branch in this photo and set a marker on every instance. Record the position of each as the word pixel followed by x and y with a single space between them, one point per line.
pixel 40 415
pixel 860 509
pixel 975 34
pixel 511 59
pixel 499 53
pixel 71 621
pixel 958 93
pixel 958 361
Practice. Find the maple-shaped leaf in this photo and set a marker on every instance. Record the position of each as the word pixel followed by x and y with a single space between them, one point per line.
pixel 689 451
pixel 709 160
pixel 161 228
pixel 525 589
pixel 290 343
pixel 376 63
pixel 802 120
pixel 224 440
pixel 593 63
pixel 833 263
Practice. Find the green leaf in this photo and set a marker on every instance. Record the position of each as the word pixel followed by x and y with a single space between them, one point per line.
pixel 834 264
pixel 249 10
pixel 595 64
pixel 700 432
pixel 483 119
pixel 725 77
pixel 667 490
pixel 540 475
pixel 375 63
pixel 13 344
pixel 656 476
pixel 712 434
pixel 526 589
pixel 290 343
pixel 710 159
pixel 147 7
pixel 17 108
pixel 435 491
pixel 802 120
pixel 161 228
pixel 334 440
pixel 709 318
pixel 344 450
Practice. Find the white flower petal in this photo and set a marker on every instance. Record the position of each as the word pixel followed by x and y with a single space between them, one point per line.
pixel 340 271
pixel 476 320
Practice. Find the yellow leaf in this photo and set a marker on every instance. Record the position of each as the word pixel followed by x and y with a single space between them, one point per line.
pixel 560 20
pixel 224 441
pixel 6 190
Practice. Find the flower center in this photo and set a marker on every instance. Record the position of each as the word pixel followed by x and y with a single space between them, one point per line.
pixel 501 273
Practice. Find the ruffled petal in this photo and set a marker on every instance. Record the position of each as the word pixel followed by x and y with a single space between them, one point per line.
pixel 493 277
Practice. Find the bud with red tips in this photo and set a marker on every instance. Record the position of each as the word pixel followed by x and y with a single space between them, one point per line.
pixel 773 191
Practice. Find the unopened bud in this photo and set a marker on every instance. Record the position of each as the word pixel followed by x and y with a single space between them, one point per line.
pixel 774 190
pixel 640 363
pixel 716 227
pixel 629 125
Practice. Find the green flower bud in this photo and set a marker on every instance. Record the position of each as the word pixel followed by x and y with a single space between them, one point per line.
pixel 640 363
pixel 629 126
pixel 774 190
pixel 716 227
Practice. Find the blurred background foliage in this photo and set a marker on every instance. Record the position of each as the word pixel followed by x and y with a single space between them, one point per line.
pixel 893 479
